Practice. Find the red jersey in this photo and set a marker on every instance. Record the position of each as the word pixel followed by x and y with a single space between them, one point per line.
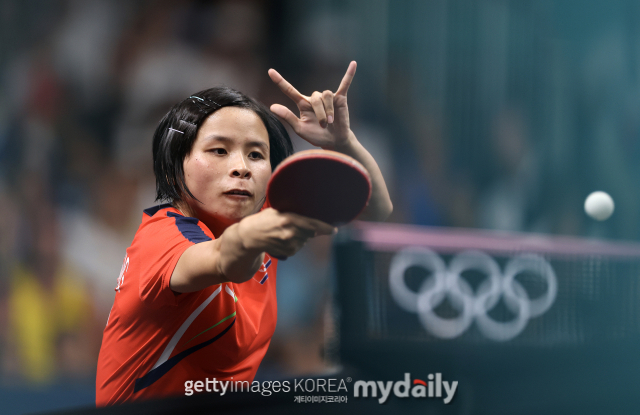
pixel 156 340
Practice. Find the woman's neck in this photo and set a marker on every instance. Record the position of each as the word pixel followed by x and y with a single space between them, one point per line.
pixel 215 226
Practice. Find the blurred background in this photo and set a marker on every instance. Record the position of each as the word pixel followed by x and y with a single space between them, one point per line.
pixel 490 114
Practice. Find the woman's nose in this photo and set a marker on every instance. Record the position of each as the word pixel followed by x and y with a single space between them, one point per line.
pixel 240 167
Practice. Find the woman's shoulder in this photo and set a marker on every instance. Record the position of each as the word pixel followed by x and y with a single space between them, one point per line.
pixel 165 221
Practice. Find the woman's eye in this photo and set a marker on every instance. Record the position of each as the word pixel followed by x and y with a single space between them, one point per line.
pixel 219 151
pixel 255 155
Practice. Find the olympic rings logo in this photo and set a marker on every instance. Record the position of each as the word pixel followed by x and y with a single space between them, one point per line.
pixel 447 282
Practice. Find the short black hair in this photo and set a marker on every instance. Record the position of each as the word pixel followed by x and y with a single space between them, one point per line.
pixel 177 131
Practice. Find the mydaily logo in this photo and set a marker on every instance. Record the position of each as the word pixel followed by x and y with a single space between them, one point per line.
pixel 432 388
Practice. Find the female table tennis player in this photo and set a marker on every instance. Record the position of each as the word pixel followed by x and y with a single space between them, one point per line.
pixel 195 302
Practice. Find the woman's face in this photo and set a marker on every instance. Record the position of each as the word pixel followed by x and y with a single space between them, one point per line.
pixel 228 167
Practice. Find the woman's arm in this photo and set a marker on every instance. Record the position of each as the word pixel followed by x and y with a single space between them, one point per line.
pixel 238 253
pixel 380 206
pixel 324 122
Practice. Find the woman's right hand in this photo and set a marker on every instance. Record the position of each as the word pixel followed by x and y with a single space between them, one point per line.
pixel 279 234
pixel 237 255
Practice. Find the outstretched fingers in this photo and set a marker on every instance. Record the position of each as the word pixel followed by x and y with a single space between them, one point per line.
pixel 346 80
pixel 286 114
pixel 310 224
pixel 286 87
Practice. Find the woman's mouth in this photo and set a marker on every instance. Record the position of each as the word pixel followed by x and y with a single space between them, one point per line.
pixel 239 193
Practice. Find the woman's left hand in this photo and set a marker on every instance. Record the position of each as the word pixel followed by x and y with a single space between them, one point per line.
pixel 324 116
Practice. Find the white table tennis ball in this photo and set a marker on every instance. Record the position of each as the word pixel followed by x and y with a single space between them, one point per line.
pixel 599 205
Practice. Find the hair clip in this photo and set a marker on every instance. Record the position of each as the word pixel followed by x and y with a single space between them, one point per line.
pixel 177 131
pixel 200 102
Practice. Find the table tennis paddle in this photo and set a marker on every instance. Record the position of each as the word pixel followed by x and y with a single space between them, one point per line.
pixel 320 184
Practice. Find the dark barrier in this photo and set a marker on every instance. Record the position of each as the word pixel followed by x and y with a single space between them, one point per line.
pixel 523 323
